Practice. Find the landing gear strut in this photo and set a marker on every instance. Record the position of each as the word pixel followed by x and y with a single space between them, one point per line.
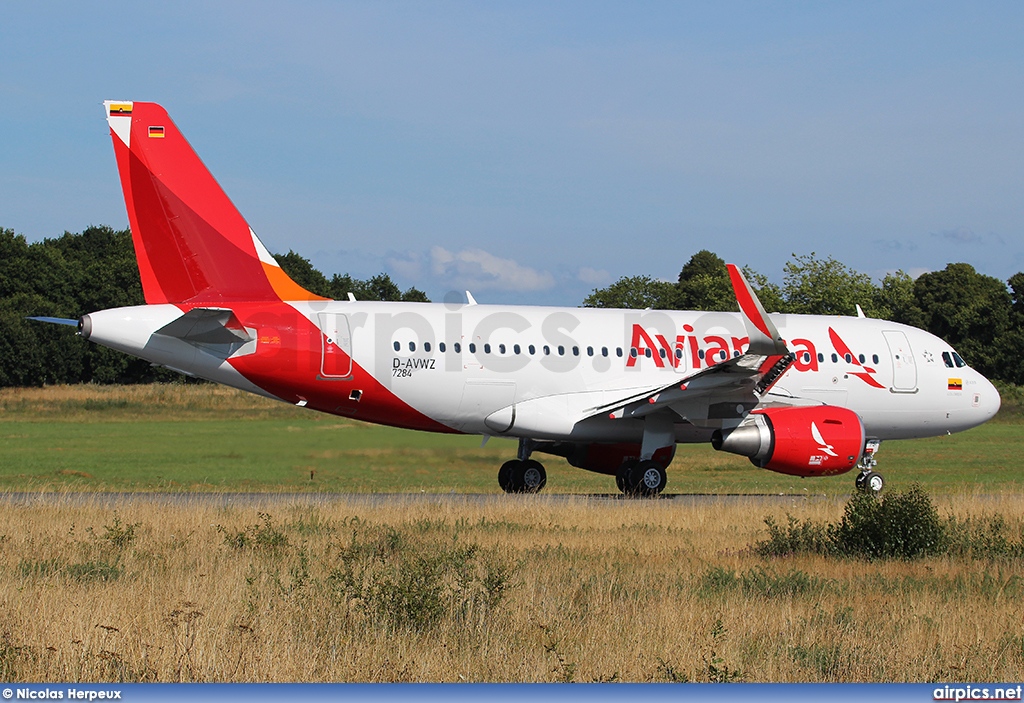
pixel 869 481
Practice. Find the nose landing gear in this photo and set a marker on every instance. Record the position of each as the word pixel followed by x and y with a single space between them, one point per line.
pixel 868 480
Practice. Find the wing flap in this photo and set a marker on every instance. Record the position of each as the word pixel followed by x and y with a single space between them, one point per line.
pixel 723 394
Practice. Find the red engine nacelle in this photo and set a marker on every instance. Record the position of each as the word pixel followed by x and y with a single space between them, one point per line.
pixel 821 440
pixel 605 458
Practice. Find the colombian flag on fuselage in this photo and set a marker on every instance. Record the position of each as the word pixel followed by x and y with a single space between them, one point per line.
pixel 956 384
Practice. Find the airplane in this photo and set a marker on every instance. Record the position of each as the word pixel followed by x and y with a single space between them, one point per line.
pixel 611 391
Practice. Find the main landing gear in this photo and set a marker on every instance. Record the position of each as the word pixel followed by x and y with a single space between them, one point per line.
pixel 643 479
pixel 869 481
pixel 522 476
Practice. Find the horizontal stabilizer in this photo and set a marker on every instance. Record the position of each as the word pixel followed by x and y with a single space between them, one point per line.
pixel 207 326
pixel 55 320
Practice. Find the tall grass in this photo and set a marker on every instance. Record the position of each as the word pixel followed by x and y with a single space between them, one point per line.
pixel 502 589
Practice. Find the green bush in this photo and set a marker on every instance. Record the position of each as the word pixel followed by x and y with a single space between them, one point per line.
pixel 902 525
pixel 899 526
pixel 796 537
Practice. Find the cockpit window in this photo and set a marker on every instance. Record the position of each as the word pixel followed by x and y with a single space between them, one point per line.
pixel 959 362
pixel 947 359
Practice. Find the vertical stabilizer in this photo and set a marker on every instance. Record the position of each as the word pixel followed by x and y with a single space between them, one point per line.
pixel 192 244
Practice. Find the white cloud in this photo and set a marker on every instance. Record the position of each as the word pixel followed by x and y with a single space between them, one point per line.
pixel 481 270
pixel 594 277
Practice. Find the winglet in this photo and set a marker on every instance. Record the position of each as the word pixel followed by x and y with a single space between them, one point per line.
pixel 764 337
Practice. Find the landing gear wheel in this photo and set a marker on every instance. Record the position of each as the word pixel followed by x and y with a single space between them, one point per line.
pixel 623 474
pixel 647 479
pixel 518 476
pixel 506 475
pixel 870 482
pixel 533 476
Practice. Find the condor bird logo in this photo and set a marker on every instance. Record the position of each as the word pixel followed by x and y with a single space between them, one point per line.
pixel 867 374
pixel 822 444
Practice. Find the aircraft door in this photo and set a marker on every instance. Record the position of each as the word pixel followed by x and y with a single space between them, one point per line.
pixel 904 370
pixel 335 346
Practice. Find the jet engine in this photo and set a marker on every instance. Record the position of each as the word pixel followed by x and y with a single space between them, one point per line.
pixel 822 440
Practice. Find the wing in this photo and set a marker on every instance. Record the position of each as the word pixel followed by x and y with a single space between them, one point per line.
pixel 721 395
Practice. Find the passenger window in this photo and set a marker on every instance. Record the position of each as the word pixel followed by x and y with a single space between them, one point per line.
pixel 661 353
pixel 441 347
pixel 590 351
pixel 533 350
pixel 861 358
pixel 647 353
pixel 472 347
pixel 398 347
pixel 458 348
pixel 807 357
pixel 821 358
pixel 487 349
pixel 501 348
pixel 547 350
pixel 618 352
pixel 516 349
pixel 412 346
pixel 679 352
pixel 426 346
pixel 575 351
pixel 632 352
pixel 561 350
pixel 874 358
pixel 700 354
pixel 604 351
pixel 835 359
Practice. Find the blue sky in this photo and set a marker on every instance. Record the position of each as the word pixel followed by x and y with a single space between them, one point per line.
pixel 531 151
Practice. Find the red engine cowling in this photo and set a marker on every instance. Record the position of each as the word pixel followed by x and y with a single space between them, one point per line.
pixel 821 440
pixel 605 458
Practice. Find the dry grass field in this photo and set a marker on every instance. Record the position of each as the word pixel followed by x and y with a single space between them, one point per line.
pixel 504 588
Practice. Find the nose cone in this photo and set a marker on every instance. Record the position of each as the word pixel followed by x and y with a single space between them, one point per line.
pixel 989 401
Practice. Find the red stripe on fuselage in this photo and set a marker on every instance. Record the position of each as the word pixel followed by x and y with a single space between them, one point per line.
pixel 287 365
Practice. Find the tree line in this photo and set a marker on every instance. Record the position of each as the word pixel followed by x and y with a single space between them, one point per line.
pixel 980 316
pixel 76 273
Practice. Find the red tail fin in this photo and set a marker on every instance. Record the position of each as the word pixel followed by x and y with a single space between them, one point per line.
pixel 192 244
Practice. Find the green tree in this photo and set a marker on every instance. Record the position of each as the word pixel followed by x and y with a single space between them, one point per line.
pixel 895 300
pixel 704 284
pixel 969 310
pixel 813 286
pixel 636 292
pixel 300 270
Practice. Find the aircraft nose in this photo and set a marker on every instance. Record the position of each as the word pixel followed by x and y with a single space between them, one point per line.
pixel 988 400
